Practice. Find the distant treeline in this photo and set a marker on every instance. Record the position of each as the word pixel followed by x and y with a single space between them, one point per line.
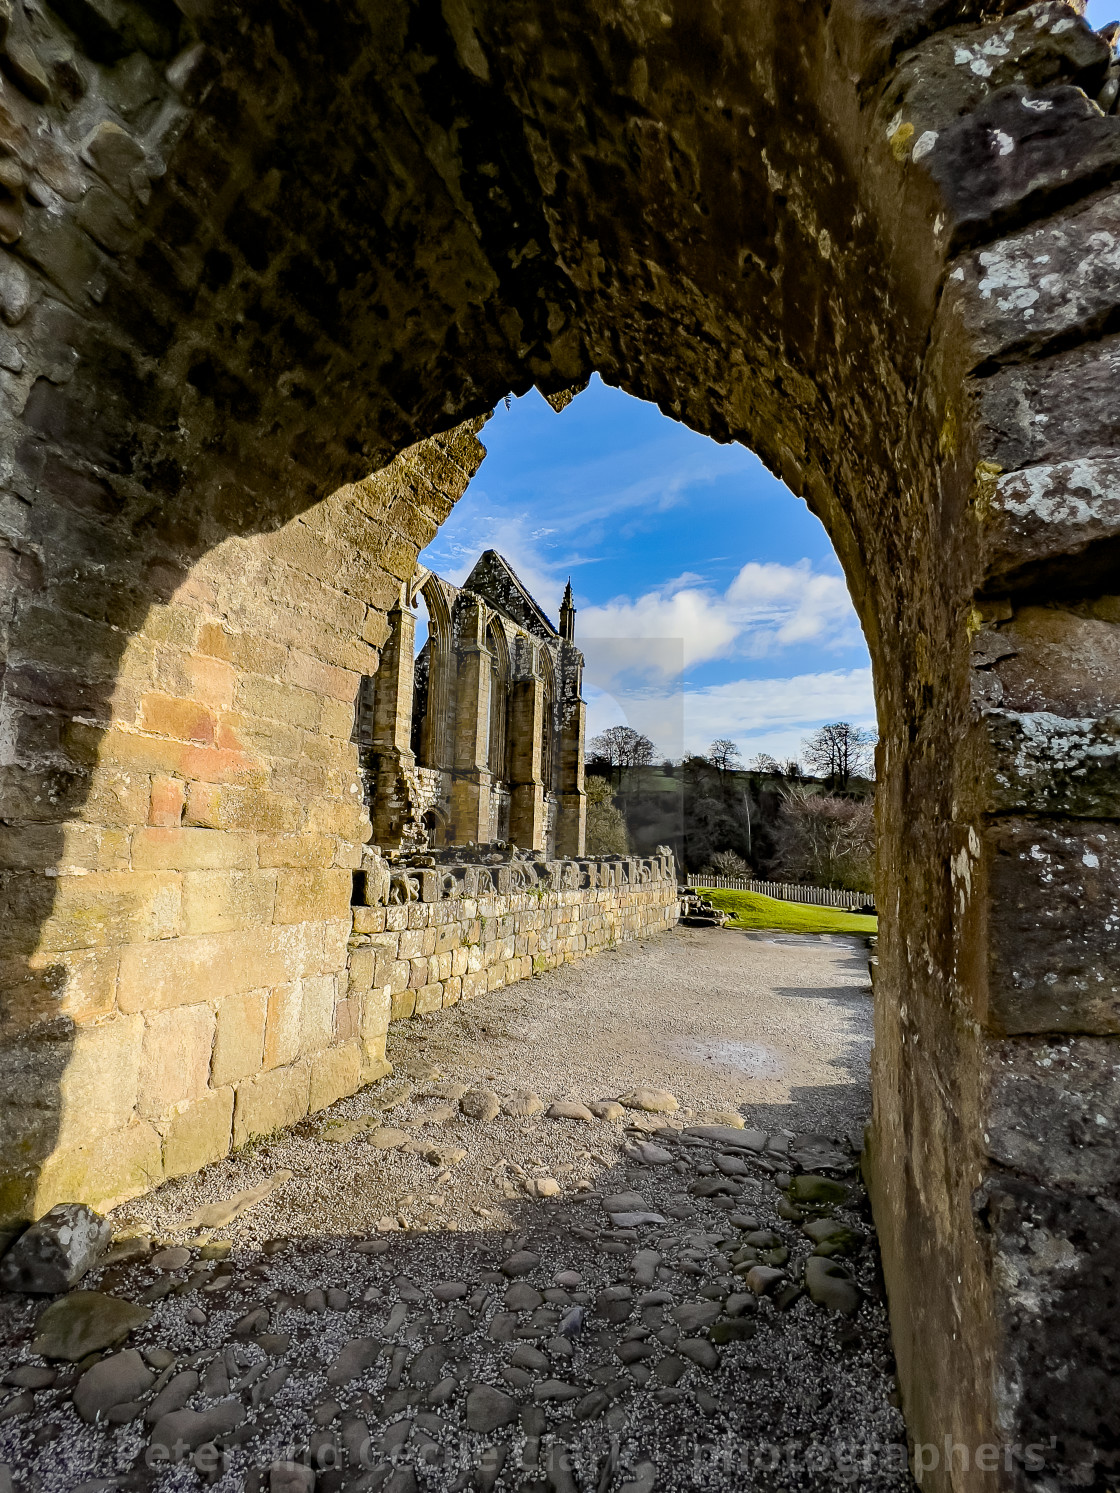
pixel 777 825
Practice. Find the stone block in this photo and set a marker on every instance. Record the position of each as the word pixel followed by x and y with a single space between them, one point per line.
pixel 261 811
pixel 181 720
pixel 310 673
pixel 239 1037
pixel 54 1253
pixel 246 651
pixel 175 1065
pixel 198 1133
pixel 375 1067
pixel 399 974
pixel 188 848
pixel 173 972
pixel 459 961
pixel 1052 966
pixel 125 755
pixel 1039 763
pixel 384 943
pixel 346 1019
pixel 474 984
pixel 348 821
pixel 336 718
pixel 300 852
pixel 224 901
pixel 376 1012
pixel 369 919
pixel 1052 1111
pixel 309 896
pixel 202 808
pixel 403 1004
pixel 335 1072
pixel 104 1171
pixel 101 1080
pixel 428 998
pixel 281 702
pixel 396 919
pixel 110 907
pixel 452 991
pixel 334 937
pixel 270 1101
pixel 316 1026
pixel 383 967
pixel 360 970
pixel 410 944
pixel 168 799
pixel 282 1026
pixel 83 982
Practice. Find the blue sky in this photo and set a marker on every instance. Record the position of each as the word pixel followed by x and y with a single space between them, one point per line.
pixel 710 600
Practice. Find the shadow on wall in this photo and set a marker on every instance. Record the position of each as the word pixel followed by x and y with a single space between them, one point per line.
pixel 183 822
pixel 48 983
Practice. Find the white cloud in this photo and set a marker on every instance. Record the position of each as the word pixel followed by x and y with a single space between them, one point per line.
pixel 699 618
pixel 759 715
pixel 781 605
pixel 757 712
pixel 766 608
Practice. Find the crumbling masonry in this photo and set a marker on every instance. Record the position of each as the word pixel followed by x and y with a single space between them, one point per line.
pixel 268 266
pixel 481 738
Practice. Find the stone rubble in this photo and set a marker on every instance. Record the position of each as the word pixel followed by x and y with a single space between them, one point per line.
pixel 54 1253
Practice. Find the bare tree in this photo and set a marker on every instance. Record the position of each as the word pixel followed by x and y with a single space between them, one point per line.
pixel 727 863
pixel 767 765
pixel 840 752
pixel 826 840
pixel 620 747
pixel 724 755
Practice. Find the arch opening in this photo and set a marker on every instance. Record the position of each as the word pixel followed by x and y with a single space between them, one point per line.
pixel 187 620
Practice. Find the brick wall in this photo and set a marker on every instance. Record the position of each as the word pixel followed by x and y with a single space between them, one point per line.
pixel 452 939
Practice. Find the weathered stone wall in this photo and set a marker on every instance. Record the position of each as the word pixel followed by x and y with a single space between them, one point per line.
pixel 456 939
pixel 187 983
pixel 256 250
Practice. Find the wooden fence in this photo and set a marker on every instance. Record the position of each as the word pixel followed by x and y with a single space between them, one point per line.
pixel 787 891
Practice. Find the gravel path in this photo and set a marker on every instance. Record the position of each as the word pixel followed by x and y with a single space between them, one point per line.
pixel 683 1295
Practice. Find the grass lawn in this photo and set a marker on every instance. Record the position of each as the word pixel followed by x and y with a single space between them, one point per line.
pixel 753 910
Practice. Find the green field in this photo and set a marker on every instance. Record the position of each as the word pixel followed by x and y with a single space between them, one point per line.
pixel 753 910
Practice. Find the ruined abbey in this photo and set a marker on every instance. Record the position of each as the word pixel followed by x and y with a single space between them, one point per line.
pixel 266 268
pixel 481 737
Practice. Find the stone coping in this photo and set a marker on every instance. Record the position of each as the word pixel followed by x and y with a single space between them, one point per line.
pixel 394 884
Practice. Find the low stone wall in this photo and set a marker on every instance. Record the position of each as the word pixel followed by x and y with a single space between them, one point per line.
pixel 451 931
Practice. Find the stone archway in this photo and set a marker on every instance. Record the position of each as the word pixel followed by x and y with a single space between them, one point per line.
pixel 256 252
